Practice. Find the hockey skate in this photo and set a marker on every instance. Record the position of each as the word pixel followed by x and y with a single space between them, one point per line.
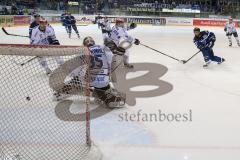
pixel 127 65
pixel 206 64
pixel 78 36
pixel 222 60
pixel 115 99
pixel 96 99
pixel 110 97
pixel 230 44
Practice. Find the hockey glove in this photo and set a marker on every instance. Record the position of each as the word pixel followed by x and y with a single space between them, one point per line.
pixel 53 41
pixel 211 44
pixel 200 45
pixel 133 25
pixel 101 25
pixel 136 42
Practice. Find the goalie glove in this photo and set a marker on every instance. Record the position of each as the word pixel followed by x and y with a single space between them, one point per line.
pixel 52 40
pixel 136 42
pixel 133 25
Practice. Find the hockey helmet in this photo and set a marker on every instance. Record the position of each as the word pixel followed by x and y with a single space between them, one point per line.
pixel 119 20
pixel 36 15
pixel 43 20
pixel 196 29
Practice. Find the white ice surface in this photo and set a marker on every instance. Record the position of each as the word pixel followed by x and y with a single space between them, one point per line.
pixel 212 94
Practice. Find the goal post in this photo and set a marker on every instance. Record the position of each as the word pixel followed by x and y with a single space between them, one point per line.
pixel 32 125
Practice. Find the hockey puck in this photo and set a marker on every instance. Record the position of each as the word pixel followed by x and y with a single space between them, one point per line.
pixel 28 98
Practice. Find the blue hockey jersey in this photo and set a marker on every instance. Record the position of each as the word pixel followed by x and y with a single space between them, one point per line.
pixel 204 40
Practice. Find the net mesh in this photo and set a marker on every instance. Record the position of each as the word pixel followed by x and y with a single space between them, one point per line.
pixel 32 124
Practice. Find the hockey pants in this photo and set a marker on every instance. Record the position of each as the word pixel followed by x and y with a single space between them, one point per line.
pixel 208 55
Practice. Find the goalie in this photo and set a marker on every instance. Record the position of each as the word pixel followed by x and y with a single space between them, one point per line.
pixel 101 60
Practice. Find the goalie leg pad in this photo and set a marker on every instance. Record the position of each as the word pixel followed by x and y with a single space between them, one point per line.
pixel 72 87
pixel 111 97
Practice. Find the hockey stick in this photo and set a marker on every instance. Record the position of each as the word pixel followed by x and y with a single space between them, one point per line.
pixel 23 63
pixel 117 66
pixel 185 61
pixel 16 35
pixel 181 61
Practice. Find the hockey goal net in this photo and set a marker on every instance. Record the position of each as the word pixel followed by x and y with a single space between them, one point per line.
pixel 32 124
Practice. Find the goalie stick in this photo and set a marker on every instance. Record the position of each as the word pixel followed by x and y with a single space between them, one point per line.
pixel 16 35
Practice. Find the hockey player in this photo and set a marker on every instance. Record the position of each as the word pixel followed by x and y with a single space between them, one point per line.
pixel 99 20
pixel 106 28
pixel 71 23
pixel 44 35
pixel 230 30
pixel 100 81
pixel 34 24
pixel 63 20
pixel 119 32
pixel 204 40
pixel 101 59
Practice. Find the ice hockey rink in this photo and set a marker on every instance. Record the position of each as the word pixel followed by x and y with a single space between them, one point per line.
pixel 212 95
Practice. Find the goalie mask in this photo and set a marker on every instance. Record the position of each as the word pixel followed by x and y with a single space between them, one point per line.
pixel 88 41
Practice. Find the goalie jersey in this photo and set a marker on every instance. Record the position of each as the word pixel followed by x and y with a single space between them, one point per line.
pixel 101 59
pixel 41 37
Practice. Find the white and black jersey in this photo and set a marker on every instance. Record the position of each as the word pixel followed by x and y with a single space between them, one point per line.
pixel 230 28
pixel 41 37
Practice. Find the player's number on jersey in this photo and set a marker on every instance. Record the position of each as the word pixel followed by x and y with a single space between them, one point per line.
pixel 96 62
